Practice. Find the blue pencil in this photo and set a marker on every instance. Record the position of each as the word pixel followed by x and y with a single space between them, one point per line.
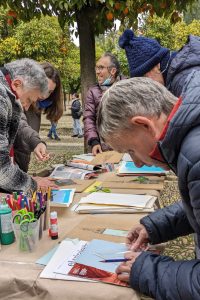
pixel 115 260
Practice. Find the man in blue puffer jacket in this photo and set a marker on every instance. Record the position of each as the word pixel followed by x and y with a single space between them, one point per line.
pixel 146 57
pixel 142 117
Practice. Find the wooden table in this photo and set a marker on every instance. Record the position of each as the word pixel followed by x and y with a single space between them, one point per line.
pixel 19 275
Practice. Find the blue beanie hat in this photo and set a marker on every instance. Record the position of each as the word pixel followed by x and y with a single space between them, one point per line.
pixel 142 53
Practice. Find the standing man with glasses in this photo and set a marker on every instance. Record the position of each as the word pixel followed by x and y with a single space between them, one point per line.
pixel 107 72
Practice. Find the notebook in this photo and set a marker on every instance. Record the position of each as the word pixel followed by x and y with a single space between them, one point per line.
pixel 129 168
pixel 63 197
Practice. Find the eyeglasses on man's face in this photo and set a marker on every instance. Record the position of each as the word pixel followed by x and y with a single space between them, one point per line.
pixel 100 68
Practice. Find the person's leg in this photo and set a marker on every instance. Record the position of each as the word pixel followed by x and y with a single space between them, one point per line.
pixel 50 132
pixel 80 131
pixel 75 129
pixel 55 132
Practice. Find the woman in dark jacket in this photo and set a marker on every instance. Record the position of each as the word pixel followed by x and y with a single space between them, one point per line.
pixel 52 107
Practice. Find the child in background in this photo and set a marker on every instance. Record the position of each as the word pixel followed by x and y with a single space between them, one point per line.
pixel 76 114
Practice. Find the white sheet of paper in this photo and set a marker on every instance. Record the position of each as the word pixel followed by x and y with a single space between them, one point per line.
pixel 139 201
pixel 63 253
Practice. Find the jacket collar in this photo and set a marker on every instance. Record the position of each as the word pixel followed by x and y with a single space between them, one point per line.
pixel 156 153
pixel 7 84
pixel 185 118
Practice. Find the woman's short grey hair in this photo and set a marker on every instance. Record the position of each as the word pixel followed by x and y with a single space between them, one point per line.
pixel 30 72
pixel 128 98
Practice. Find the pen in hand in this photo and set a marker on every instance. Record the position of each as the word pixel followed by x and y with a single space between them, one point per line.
pixel 115 260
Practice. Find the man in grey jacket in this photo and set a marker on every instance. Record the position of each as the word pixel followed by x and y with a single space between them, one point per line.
pixel 141 117
pixel 22 82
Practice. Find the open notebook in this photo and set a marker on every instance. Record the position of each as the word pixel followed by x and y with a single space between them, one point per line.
pixel 115 203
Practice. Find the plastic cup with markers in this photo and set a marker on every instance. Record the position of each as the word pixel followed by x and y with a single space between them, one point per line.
pixel 26 229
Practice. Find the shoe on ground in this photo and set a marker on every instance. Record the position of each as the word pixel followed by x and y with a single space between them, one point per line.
pixel 50 136
pixel 57 138
pixel 80 136
pixel 74 135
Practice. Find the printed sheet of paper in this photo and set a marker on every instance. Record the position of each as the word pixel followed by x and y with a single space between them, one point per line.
pixel 64 254
pixel 89 263
pixel 63 172
pixel 44 259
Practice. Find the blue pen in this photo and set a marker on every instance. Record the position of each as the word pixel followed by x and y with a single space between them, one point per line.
pixel 115 260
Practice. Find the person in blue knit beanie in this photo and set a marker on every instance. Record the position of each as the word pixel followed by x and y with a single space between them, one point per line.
pixel 146 57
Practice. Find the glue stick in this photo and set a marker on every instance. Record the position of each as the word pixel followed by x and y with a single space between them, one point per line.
pixel 53 225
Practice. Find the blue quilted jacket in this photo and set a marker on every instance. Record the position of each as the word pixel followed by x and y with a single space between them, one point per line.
pixel 186 60
pixel 159 276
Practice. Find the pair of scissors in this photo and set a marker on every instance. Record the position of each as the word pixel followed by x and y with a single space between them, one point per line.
pixel 26 222
pixel 23 215
pixel 100 189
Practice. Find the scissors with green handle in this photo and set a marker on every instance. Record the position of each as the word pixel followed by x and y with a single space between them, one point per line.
pixel 21 216
pixel 27 224
pixel 100 189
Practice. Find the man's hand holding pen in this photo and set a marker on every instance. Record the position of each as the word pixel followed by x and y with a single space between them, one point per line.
pixel 124 269
pixel 137 240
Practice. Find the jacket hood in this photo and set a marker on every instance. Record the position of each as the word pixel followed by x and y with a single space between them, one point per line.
pixel 186 118
pixel 187 57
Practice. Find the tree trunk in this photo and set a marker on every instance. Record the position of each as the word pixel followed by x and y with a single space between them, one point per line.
pixel 87 51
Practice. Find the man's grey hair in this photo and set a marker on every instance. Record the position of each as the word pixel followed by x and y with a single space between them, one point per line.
pixel 137 96
pixel 113 62
pixel 30 72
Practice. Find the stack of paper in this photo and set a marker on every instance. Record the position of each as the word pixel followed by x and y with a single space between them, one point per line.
pixel 129 168
pixel 115 203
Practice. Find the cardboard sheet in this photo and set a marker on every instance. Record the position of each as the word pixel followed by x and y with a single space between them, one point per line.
pixel 133 185
pixel 110 157
pixel 80 185
pixel 93 226
pixel 132 179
